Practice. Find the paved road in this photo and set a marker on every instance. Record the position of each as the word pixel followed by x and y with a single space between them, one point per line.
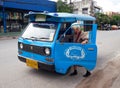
pixel 108 46
pixel 107 72
pixel 14 74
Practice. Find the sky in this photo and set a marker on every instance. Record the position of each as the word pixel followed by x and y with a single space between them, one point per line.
pixel 107 5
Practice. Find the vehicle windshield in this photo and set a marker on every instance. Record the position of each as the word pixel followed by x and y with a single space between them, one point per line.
pixel 40 31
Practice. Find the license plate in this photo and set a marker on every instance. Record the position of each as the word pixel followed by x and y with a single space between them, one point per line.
pixel 32 63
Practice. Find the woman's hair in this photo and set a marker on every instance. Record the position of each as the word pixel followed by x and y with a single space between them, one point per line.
pixel 75 26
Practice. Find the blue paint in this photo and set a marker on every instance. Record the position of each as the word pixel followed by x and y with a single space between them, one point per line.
pixel 4 20
pixel 32 5
pixel 63 17
pixel 27 5
pixel 63 54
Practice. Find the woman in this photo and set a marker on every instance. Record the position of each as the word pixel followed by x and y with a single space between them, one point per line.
pixel 79 37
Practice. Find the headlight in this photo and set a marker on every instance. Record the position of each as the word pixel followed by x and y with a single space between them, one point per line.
pixel 21 46
pixel 47 51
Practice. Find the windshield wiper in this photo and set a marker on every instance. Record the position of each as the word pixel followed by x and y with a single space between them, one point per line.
pixel 25 38
pixel 30 38
pixel 33 38
pixel 43 38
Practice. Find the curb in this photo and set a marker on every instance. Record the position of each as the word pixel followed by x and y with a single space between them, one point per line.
pixel 8 37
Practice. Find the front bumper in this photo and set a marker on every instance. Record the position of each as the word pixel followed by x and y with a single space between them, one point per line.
pixel 40 65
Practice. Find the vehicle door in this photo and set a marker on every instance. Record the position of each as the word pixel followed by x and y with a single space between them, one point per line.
pixel 69 53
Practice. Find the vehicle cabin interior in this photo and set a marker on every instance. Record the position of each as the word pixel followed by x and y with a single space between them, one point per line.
pixel 66 32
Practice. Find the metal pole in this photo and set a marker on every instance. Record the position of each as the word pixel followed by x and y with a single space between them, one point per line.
pixel 4 20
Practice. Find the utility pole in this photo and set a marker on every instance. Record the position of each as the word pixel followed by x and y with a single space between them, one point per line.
pixel 70 1
pixel 92 8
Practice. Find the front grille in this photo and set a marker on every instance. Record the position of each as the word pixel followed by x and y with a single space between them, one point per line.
pixel 27 47
pixel 33 48
pixel 39 50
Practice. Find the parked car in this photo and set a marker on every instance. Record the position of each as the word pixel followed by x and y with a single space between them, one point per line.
pixel 114 27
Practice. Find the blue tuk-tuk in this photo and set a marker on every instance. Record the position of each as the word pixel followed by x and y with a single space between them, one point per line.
pixel 45 44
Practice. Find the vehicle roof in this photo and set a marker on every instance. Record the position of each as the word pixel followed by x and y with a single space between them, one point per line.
pixel 65 17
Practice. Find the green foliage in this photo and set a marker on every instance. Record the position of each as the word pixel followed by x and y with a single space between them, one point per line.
pixel 64 7
pixel 115 19
pixel 105 19
pixel 102 18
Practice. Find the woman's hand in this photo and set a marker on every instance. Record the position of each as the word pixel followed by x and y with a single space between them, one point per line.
pixel 84 42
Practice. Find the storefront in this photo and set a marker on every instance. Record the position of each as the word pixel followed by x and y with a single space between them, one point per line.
pixel 12 12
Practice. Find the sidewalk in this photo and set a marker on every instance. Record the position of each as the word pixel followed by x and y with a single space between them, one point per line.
pixel 10 35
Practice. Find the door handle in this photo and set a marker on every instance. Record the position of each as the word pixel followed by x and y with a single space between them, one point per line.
pixel 90 49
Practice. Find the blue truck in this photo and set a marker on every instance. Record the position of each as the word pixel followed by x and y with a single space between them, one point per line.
pixel 45 44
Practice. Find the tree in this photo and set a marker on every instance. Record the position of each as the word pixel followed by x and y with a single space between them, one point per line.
pixel 64 7
pixel 115 19
pixel 102 19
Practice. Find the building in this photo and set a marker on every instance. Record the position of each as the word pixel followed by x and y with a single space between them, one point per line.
pixel 12 12
pixel 86 7
pixel 111 13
